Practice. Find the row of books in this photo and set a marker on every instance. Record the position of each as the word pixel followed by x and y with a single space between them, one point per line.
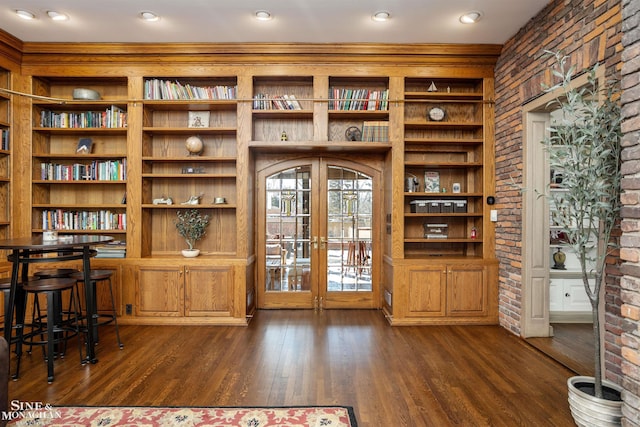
pixel 60 219
pixel 375 131
pixel 4 139
pixel 97 170
pixel 358 99
pixel 114 249
pixel 170 90
pixel 112 117
pixel 263 101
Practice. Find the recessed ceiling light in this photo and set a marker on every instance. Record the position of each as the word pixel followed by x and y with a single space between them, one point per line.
pixel 25 14
pixel 471 17
pixel 381 16
pixel 263 15
pixel 57 16
pixel 149 16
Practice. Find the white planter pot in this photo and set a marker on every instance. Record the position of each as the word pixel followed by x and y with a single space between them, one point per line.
pixel 190 253
pixel 588 411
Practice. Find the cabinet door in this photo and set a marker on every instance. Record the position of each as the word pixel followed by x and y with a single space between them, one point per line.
pixel 159 291
pixel 208 291
pixel 467 292
pixel 427 296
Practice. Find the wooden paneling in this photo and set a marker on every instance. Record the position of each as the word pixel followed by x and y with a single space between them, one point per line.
pixel 155 153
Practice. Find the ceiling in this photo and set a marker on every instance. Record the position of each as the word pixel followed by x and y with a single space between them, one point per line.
pixel 304 21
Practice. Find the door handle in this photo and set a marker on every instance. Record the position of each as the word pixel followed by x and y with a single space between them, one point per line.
pixel 314 242
pixel 323 243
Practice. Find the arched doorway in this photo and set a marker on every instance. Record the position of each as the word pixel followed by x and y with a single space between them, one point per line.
pixel 318 234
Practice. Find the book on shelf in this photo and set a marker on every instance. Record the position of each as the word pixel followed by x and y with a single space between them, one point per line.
pixel 158 89
pixel 113 249
pixel 97 170
pixel 5 140
pixel 375 131
pixel 431 182
pixel 84 146
pixel 344 99
pixel 111 118
pixel 264 101
pixel 63 219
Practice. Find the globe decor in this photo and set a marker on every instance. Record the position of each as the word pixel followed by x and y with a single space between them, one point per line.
pixel 194 145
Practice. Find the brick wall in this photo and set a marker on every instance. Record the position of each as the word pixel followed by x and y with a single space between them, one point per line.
pixel 589 32
pixel 630 242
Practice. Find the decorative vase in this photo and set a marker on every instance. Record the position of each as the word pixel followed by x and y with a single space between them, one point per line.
pixel 589 411
pixel 190 253
pixel 559 258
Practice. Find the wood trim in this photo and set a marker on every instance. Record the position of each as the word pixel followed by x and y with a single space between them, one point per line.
pixel 40 54
pixel 10 51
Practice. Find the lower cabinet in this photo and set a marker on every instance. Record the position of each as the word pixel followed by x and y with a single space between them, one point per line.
pixel 447 293
pixel 447 290
pixel 568 301
pixel 184 291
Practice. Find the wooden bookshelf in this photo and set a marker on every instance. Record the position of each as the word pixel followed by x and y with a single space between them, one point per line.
pixel 241 136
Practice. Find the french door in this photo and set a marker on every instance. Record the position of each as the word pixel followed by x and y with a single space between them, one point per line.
pixel 318 234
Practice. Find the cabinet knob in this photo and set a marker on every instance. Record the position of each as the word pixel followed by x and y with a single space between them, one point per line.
pixel 567 294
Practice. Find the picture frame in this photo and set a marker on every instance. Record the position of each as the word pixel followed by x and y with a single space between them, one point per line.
pixel 199 119
pixel 431 182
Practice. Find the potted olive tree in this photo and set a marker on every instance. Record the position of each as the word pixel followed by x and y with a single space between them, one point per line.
pixel 191 225
pixel 584 154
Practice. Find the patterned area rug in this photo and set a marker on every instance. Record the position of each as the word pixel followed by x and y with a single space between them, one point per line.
pixel 85 416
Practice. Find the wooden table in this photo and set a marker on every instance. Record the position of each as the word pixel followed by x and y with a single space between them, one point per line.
pixel 32 250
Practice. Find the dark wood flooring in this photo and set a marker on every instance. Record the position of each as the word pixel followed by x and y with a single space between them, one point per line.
pixel 392 376
pixel 571 345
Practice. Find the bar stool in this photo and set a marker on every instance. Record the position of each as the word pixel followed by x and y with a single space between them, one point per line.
pixel 55 330
pixel 102 276
pixel 5 288
pixel 53 273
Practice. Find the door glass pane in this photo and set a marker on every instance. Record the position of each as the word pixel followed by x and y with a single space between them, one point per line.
pixel 288 247
pixel 349 210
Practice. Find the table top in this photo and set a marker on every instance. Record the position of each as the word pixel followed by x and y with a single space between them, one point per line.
pixel 63 241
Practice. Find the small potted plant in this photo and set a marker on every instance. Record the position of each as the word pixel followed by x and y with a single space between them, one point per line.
pixel 191 225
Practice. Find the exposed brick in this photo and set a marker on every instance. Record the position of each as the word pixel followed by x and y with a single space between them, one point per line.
pixel 630 311
pixel 587 31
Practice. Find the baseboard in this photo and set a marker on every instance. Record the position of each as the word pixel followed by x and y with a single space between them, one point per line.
pixel 570 317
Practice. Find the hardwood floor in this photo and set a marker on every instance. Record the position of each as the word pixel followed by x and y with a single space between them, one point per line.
pixel 571 345
pixel 392 376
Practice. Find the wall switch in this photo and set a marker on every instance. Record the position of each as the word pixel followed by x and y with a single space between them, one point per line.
pixel 494 215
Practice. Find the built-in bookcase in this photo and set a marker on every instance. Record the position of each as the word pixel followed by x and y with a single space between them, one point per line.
pixel 172 175
pixel 444 212
pixel 5 156
pixel 358 103
pixel 282 109
pixel 79 157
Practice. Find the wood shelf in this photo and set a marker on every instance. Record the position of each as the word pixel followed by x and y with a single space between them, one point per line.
pixel 191 105
pixel 76 182
pixel 79 156
pixel 306 146
pixel 83 131
pixel 81 206
pixel 188 175
pixel 189 131
pixel 179 205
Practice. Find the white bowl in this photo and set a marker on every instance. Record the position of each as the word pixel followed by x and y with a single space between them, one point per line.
pixel 86 94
